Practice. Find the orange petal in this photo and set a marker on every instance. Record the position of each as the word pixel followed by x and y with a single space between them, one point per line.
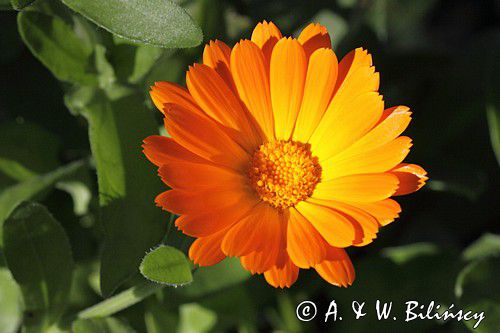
pixel 206 251
pixel 337 269
pixel 305 246
pixel 384 211
pixel 377 160
pixel 287 78
pixel 411 178
pixel 160 150
pixel 218 101
pixel 343 128
pixel 168 92
pixel 265 31
pixel 201 224
pixel 355 77
pixel 358 188
pixel 282 277
pixel 260 230
pixel 252 82
pixel 367 224
pixel 257 262
pixel 202 136
pixel 197 176
pixel 216 55
pixel 313 37
pixel 265 36
pixel 264 260
pixel 318 90
pixel 192 202
pixel 335 228
pixel 351 63
pixel 393 122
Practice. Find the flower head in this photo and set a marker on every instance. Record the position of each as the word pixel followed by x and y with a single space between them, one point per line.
pixel 281 155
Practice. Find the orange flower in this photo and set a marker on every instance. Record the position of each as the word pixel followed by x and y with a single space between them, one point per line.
pixel 281 155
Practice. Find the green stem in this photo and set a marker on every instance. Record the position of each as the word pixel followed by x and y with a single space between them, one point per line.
pixel 121 301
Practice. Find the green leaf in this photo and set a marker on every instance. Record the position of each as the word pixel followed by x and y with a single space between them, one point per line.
pixel 406 253
pixel 14 195
pixel 487 245
pixel 11 308
pixel 168 265
pixel 133 62
pixel 492 321
pixel 478 290
pixel 21 4
pixel 27 145
pixel 38 254
pixel 57 46
pixel 5 5
pixel 194 318
pixel 127 182
pixel 493 115
pixel 101 325
pixel 207 280
pixel 155 22
pixel 157 317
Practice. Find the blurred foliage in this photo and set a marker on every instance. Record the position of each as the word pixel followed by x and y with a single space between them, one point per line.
pixel 74 103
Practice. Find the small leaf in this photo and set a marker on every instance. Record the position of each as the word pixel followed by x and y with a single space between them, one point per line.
pixel 57 46
pixel 38 254
pixel 11 309
pixel 403 254
pixel 168 265
pixel 101 325
pixel 21 4
pixel 486 246
pixel 155 22
pixel 194 318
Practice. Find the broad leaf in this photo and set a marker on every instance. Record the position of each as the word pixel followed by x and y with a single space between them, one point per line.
pixel 57 46
pixel 155 22
pixel 38 254
pixel 101 325
pixel 14 195
pixel 11 308
pixel 168 265
pixel 127 181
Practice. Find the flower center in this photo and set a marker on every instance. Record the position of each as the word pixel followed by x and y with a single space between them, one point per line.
pixel 284 172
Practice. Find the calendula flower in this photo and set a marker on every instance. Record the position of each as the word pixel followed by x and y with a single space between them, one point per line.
pixel 281 155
